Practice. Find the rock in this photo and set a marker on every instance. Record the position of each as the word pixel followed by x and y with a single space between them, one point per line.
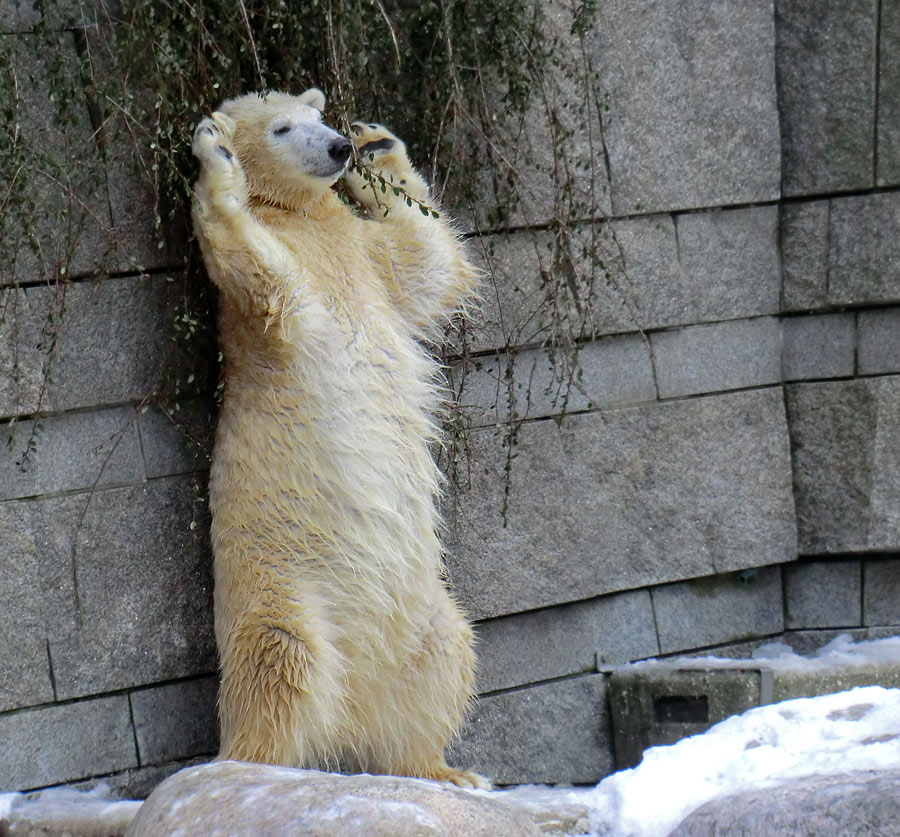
pixel 233 798
pixel 859 803
pixel 63 812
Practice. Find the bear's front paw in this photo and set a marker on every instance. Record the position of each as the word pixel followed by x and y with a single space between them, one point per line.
pixel 212 144
pixel 384 169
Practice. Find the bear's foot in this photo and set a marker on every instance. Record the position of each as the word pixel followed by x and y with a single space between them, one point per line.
pixel 382 155
pixel 461 778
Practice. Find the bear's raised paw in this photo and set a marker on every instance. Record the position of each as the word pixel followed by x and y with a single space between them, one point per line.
pixel 384 154
pixel 212 144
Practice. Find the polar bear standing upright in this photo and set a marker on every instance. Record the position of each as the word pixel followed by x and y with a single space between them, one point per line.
pixel 339 642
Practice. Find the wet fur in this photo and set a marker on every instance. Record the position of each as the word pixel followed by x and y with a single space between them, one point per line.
pixel 338 639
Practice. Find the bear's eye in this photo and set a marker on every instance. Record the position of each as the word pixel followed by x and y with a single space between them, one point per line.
pixel 282 129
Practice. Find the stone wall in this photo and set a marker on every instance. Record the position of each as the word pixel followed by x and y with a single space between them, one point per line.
pixel 727 471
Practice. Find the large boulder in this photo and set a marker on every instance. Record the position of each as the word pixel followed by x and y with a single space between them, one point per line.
pixel 849 804
pixel 237 799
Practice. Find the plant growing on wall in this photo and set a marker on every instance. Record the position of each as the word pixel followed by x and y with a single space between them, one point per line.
pixel 498 103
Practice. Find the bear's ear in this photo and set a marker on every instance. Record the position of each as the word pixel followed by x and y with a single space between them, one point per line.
pixel 313 97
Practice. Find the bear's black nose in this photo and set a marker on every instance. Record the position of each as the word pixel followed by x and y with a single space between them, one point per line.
pixel 339 150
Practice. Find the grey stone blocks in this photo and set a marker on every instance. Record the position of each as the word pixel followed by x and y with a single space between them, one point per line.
pixel 826 93
pixel 568 737
pixel 605 502
pixel 723 356
pixel 540 645
pixel 881 592
pixel 841 252
pixel 818 347
pixel 888 128
pixel 823 594
pixel 176 721
pixel 691 117
pixel 120 582
pixel 719 609
pixel 879 341
pixel 109 343
pixel 864 257
pixel 56 744
pixel 531 383
pixel 846 454
pixel 75 451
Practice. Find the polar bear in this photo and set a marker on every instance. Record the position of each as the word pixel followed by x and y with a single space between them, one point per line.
pixel 339 642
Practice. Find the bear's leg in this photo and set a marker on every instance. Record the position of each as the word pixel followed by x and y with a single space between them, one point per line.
pixel 281 694
pixel 422 703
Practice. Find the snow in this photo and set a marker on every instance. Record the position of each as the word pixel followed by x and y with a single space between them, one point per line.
pixel 840 733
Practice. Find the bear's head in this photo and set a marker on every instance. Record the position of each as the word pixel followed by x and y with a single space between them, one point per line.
pixel 289 157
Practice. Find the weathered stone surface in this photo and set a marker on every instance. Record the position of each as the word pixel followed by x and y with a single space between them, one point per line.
pixel 110 344
pixel 881 603
pixel 888 149
pixel 655 706
pixel 248 799
pixel 56 212
pixel 723 356
pixel 529 647
pixel 63 812
pixel 823 595
pixel 629 274
pixel 37 596
pixel 41 747
pixel 77 450
pixel 818 346
pixel 707 611
pixel 879 341
pixel 864 802
pixel 144 585
pixel 176 721
pixel 618 500
pixel 845 438
pixel 731 259
pixel 177 442
pixel 692 118
pixel 533 383
pixel 556 732
pixel 864 257
pixel 826 94
pixel 804 254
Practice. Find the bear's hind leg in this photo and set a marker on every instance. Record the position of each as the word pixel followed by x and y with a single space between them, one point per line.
pixel 421 705
pixel 281 695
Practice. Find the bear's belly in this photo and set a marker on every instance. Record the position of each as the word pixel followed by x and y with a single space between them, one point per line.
pixel 322 479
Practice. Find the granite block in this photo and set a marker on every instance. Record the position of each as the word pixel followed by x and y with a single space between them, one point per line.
pixel 610 501
pixel 55 744
pixel 722 356
pixel 826 93
pixel 556 732
pixel 543 644
pixel 888 125
pixel 864 256
pixel 176 721
pixel 818 346
pixel 881 592
pixel 691 118
pixel 70 451
pixel 804 254
pixel 144 590
pixel 823 594
pixel 879 341
pixel 845 441
pixel 717 609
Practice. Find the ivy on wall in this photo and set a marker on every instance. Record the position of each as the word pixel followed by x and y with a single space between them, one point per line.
pixel 491 98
